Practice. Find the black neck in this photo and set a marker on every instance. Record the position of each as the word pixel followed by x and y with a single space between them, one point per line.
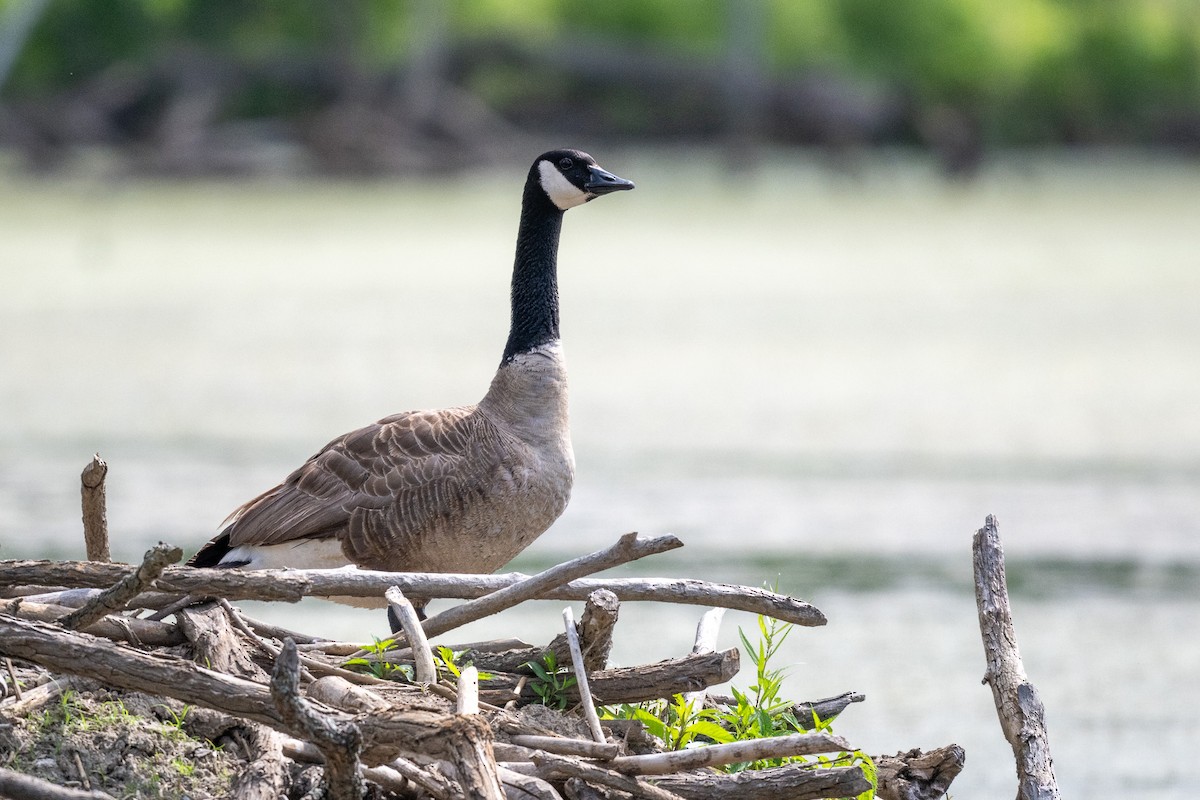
pixel 535 277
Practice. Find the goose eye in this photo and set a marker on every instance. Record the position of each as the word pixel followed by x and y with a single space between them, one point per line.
pixel 565 163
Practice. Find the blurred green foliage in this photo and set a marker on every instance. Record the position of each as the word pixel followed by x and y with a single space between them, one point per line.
pixel 1028 70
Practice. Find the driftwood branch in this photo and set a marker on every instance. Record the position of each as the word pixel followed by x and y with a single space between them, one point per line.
pixel 115 599
pixel 628 548
pixel 293 585
pixel 95 513
pixel 1022 716
pixel 338 740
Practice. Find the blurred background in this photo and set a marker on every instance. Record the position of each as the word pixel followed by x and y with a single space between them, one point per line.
pixel 889 268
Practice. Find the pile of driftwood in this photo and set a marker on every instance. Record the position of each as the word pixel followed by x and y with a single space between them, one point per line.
pixel 149 629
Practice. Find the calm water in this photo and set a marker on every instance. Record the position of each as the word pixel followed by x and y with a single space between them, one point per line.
pixel 821 379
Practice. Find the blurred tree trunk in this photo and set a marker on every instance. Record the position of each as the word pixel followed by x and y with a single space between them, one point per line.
pixel 745 81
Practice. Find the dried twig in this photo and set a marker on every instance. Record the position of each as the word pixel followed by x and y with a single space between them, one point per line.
pixel 153 563
pixel 12 675
pixel 1022 716
pixel 628 548
pixel 423 667
pixel 95 513
pixel 585 694
pixel 563 746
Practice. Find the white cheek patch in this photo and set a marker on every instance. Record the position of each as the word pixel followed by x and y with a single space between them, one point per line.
pixel 561 191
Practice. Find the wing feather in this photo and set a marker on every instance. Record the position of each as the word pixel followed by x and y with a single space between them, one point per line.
pixel 407 471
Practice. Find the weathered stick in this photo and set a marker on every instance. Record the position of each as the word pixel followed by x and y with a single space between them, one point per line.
pixel 114 600
pixel 706 642
pixel 42 695
pixel 121 629
pixel 518 786
pixel 95 513
pixel 715 755
pixel 585 694
pixel 552 767
pixel 918 776
pixel 468 691
pixel 17 786
pixel 1022 716
pixel 339 740
pixel 793 781
pixel 402 607
pixel 292 585
pixel 263 777
pixel 562 746
pixel 628 548
pixel 12 676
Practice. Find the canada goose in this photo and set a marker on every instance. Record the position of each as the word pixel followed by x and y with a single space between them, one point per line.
pixel 453 490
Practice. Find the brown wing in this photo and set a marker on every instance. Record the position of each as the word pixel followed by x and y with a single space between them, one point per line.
pixel 422 465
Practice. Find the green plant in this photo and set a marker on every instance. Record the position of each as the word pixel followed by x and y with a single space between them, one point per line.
pixel 184 768
pixel 758 712
pixel 551 681
pixel 378 665
pixel 177 717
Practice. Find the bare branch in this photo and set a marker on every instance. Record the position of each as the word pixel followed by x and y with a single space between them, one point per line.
pixel 628 548
pixel 586 702
pixel 115 599
pixel 1022 716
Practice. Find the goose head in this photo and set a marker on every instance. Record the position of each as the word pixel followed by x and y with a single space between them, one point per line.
pixel 571 178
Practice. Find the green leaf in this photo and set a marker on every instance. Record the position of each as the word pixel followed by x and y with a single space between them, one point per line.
pixel 711 730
